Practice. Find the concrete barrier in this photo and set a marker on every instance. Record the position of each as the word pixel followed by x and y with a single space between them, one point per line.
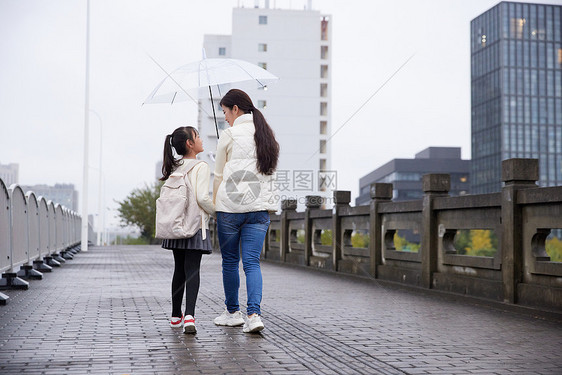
pixel 415 242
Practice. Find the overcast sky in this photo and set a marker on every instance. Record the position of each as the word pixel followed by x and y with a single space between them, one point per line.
pixel 42 80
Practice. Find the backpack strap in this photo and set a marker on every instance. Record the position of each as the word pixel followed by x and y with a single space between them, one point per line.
pixel 191 164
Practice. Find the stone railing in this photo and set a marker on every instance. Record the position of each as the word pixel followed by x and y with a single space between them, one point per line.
pixel 521 216
pixel 35 236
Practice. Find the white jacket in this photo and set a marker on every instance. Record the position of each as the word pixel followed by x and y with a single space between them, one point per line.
pixel 199 177
pixel 238 186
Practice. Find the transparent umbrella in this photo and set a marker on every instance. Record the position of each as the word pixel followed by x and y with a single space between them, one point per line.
pixel 207 73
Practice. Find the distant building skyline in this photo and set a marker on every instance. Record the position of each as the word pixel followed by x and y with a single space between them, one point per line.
pixel 158 169
pixel 294 45
pixel 406 174
pixel 63 194
pixel 516 76
pixel 9 173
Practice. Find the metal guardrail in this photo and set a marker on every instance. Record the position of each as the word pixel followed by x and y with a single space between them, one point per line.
pixel 35 236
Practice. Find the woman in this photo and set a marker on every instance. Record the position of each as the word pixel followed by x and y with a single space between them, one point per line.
pixel 246 158
pixel 187 252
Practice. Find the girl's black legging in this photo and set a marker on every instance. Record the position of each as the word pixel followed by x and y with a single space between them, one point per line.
pixel 186 276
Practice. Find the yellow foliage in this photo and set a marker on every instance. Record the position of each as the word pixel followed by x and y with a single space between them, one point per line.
pixel 360 240
pixel 480 239
pixel 554 249
pixel 401 244
pixel 480 242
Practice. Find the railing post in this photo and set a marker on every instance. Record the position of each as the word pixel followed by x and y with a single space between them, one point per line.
pixel 380 192
pixel 342 198
pixel 434 185
pixel 517 174
pixel 313 202
pixel 288 205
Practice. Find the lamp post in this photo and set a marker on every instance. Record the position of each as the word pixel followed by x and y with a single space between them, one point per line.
pixel 101 215
pixel 84 236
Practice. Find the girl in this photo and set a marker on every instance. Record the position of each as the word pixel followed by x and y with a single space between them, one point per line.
pixel 187 252
pixel 246 158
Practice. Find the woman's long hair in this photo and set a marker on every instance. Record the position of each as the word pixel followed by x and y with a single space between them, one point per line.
pixel 267 148
pixel 177 140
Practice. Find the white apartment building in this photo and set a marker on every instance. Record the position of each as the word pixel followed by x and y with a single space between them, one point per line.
pixel 9 173
pixel 294 45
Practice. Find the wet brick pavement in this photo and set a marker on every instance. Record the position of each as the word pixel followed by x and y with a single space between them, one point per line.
pixel 106 312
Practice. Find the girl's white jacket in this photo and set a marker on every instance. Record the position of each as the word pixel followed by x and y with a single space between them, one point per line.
pixel 199 178
pixel 238 186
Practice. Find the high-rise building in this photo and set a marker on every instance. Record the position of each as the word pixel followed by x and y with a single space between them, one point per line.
pixel 516 66
pixel 9 173
pixel 295 46
pixel 405 175
pixel 158 169
pixel 63 194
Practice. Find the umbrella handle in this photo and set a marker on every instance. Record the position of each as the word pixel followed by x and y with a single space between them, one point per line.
pixel 213 106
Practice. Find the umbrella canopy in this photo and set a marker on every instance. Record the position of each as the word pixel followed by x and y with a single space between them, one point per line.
pixel 206 73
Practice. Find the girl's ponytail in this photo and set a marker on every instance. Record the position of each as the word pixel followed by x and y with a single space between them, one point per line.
pixel 267 148
pixel 168 161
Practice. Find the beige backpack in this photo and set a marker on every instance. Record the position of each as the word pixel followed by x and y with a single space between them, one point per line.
pixel 177 213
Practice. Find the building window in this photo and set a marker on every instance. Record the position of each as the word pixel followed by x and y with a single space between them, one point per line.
pixel 324 52
pixel 323 90
pixel 263 20
pixel 262 47
pixel 262 104
pixel 323 71
pixel 323 127
pixel 322 146
pixel 323 109
pixel 222 51
pixel 324 29
pixel 262 65
pixel 517 27
pixel 322 164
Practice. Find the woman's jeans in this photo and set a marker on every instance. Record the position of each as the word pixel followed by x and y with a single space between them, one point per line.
pixel 242 233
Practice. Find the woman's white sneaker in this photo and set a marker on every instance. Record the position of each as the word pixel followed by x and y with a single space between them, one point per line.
pixel 253 324
pixel 228 319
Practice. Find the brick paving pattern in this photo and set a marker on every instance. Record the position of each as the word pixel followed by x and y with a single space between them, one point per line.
pixel 106 312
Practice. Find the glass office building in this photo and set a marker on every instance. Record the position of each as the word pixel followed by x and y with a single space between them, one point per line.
pixel 516 68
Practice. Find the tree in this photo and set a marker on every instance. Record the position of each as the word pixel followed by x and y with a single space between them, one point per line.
pixel 402 244
pixel 554 249
pixel 482 243
pixel 326 237
pixel 360 239
pixel 462 241
pixel 139 210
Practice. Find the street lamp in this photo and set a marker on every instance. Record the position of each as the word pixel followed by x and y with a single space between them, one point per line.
pixel 84 234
